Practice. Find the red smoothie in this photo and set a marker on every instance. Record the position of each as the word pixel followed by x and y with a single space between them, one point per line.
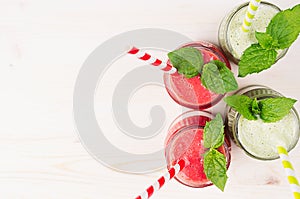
pixel 190 92
pixel 185 141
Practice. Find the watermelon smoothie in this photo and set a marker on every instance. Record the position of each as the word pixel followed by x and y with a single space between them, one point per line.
pixel 185 141
pixel 190 92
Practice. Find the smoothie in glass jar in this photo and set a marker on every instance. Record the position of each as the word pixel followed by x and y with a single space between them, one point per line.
pixel 185 141
pixel 257 138
pixel 190 92
pixel 234 41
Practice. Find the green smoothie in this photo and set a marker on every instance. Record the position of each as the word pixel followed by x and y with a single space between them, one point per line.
pixel 233 40
pixel 239 40
pixel 257 138
pixel 260 139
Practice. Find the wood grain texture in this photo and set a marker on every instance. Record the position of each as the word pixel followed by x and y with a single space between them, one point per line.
pixel 42 47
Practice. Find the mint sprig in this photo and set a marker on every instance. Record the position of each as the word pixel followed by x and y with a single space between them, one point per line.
pixel 188 61
pixel 214 133
pixel 274 109
pixel 214 161
pixel 266 41
pixel 256 59
pixel 215 168
pixel 256 110
pixel 284 28
pixel 281 32
pixel 242 104
pixel 269 109
pixel 218 78
pixel 215 76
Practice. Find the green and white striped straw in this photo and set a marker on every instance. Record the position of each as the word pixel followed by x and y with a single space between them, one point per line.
pixel 252 8
pixel 289 170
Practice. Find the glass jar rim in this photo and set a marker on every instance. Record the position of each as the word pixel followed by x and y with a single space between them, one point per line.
pixel 179 118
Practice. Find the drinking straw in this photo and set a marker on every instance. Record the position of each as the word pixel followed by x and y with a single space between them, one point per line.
pixel 151 60
pixel 252 8
pixel 290 172
pixel 162 180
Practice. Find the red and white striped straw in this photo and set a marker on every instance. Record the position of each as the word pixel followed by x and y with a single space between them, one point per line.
pixel 151 60
pixel 162 180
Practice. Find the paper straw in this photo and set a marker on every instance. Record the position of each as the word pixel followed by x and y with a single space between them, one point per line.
pixel 162 180
pixel 252 8
pixel 151 60
pixel 290 172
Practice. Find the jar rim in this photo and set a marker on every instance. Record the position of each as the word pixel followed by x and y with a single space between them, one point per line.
pixel 181 117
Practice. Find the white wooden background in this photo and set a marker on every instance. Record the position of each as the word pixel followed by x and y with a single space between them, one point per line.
pixel 42 47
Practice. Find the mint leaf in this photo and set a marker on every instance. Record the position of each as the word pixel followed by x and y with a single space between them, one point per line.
pixel 284 27
pixel 269 110
pixel 296 20
pixel 274 109
pixel 218 78
pixel 293 16
pixel 266 41
pixel 211 78
pixel 255 107
pixel 281 32
pixel 256 59
pixel 187 69
pixel 214 132
pixel 242 104
pixel 227 76
pixel 214 161
pixel 215 168
pixel 188 61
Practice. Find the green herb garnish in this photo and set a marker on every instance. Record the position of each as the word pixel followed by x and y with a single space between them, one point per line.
pixel 215 168
pixel 218 78
pixel 214 133
pixel 281 32
pixel 214 161
pixel 256 59
pixel 242 104
pixel 255 107
pixel 274 109
pixel 269 110
pixel 215 76
pixel 188 61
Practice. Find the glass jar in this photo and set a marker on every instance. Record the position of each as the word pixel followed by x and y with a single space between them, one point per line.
pixel 233 40
pixel 190 92
pixel 185 141
pixel 258 139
